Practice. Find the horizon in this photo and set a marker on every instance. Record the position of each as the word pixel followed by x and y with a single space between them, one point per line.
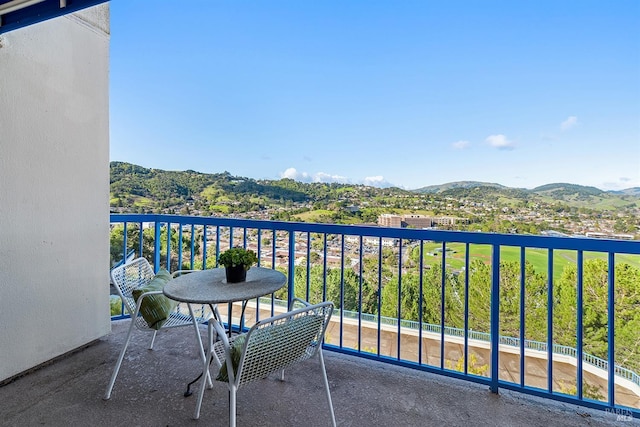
pixel 381 94
pixel 407 189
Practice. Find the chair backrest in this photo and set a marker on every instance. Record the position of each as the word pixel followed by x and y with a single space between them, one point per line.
pixel 128 277
pixel 278 342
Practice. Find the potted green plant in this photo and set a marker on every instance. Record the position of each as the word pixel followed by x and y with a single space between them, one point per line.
pixel 236 262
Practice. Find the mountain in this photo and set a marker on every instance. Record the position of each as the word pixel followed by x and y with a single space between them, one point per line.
pixel 488 194
pixel 142 189
pixel 564 189
pixel 138 189
pixel 633 191
pixel 458 184
pixel 587 197
pixel 555 193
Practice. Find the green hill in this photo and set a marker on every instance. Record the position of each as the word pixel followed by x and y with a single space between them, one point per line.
pixel 138 189
pixel 135 188
pixel 563 189
pixel 453 185
pixel 557 194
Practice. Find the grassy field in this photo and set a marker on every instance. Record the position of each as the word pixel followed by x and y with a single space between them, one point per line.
pixel 455 257
pixel 142 201
pixel 137 201
pixel 509 201
pixel 598 203
pixel 312 216
pixel 412 212
pixel 221 208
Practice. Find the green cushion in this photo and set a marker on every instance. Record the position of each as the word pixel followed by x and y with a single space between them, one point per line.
pixel 236 353
pixel 155 309
pixel 304 328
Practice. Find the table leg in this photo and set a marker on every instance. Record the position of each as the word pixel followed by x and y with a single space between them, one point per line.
pixel 207 359
pixel 230 317
pixel 202 353
pixel 244 306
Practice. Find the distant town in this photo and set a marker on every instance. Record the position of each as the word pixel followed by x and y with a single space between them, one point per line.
pixel 554 209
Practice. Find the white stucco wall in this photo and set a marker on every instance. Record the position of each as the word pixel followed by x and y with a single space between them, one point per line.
pixel 54 188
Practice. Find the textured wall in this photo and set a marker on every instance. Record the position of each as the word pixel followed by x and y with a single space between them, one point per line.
pixel 54 188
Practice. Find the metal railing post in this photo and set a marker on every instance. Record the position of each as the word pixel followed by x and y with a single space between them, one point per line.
pixel 495 317
pixel 611 313
pixel 550 322
pixel 156 247
pixel 291 268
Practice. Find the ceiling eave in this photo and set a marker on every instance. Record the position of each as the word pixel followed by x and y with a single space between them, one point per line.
pixel 16 14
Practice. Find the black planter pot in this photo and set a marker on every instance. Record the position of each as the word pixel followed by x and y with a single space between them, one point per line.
pixel 236 274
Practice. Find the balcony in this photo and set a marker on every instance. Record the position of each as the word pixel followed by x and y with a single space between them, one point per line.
pixel 54 195
pixel 508 312
pixel 149 391
pixel 388 362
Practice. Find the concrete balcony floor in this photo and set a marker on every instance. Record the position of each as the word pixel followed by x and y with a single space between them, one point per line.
pixel 149 392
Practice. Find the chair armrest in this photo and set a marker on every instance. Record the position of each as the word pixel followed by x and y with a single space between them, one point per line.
pixel 220 332
pixel 300 303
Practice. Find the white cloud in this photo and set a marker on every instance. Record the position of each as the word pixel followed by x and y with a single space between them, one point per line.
pixel 621 183
pixel 292 173
pixel 461 145
pixel 323 177
pixel 612 186
pixel 373 179
pixel 500 142
pixel 377 181
pixel 571 122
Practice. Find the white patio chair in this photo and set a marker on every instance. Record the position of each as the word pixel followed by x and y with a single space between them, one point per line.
pixel 271 345
pixel 134 275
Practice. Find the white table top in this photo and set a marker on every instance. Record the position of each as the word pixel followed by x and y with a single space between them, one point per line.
pixel 211 287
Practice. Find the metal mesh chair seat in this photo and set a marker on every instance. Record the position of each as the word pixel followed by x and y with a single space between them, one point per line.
pixel 177 318
pixel 135 275
pixel 271 345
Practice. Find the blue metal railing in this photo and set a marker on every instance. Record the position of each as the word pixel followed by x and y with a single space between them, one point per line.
pixel 504 340
pixel 189 239
pixel 449 331
pixel 128 257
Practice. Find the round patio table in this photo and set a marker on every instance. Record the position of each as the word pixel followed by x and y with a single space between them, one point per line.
pixel 211 287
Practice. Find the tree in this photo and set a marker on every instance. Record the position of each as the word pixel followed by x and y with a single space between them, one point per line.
pixel 116 241
pixel 595 297
pixel 431 297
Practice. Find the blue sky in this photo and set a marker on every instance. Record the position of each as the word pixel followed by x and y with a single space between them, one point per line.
pixel 404 93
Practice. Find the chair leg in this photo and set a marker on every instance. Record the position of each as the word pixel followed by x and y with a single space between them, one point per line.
pixel 205 368
pixel 107 394
pixel 153 339
pixel 232 405
pixel 326 387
